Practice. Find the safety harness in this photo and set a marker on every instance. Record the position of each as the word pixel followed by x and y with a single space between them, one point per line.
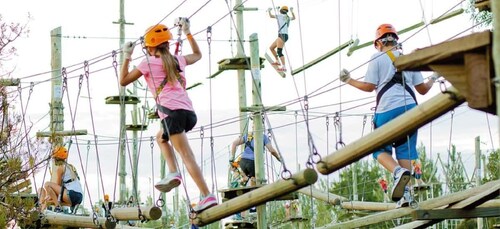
pixel 397 78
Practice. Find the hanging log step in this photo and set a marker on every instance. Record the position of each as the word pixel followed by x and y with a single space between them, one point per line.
pixel 231 193
pixel 240 224
pixel 126 99
pixel 137 127
pixel 237 63
pixel 132 213
pixel 82 221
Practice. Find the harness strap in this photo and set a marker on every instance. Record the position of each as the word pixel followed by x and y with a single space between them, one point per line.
pixel 397 78
pixel 165 80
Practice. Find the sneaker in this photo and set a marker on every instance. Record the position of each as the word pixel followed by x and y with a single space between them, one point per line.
pixel 168 183
pixel 275 64
pixel 401 178
pixel 404 201
pixel 281 69
pixel 206 203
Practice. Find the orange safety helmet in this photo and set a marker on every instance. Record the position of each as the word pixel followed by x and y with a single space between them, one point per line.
pixel 284 8
pixel 60 153
pixel 156 35
pixel 383 30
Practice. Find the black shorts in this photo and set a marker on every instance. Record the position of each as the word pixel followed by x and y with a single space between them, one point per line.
pixel 248 167
pixel 283 37
pixel 178 121
pixel 75 197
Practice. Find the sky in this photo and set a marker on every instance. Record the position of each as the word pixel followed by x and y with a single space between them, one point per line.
pixel 89 32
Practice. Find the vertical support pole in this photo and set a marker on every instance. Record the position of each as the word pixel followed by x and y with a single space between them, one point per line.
pixel 123 171
pixel 240 53
pixel 164 195
pixel 257 122
pixel 56 106
pixel 495 10
pixel 480 221
pixel 135 145
pixel 355 181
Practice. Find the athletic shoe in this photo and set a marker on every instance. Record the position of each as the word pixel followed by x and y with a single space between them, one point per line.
pixel 401 178
pixel 275 64
pixel 281 69
pixel 168 183
pixel 404 201
pixel 206 203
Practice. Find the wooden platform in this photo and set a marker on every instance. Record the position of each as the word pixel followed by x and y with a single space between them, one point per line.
pixel 465 62
pixel 231 193
pixel 127 99
pixel 240 224
pixel 137 127
pixel 237 63
pixel 422 187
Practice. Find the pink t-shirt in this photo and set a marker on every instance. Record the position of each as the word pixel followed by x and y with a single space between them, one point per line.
pixel 173 96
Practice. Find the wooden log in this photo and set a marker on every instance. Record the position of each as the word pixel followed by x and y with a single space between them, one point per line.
pixel 256 197
pixel 391 131
pixel 132 213
pixel 369 206
pixel 452 213
pixel 324 196
pixel 400 212
pixel 60 219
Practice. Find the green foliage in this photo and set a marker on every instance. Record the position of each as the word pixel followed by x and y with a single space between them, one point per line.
pixel 482 18
pixel 493 166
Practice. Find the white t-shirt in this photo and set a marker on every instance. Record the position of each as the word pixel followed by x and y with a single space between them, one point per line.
pixel 283 22
pixel 380 72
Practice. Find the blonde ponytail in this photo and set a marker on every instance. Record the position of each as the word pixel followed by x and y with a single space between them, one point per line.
pixel 170 65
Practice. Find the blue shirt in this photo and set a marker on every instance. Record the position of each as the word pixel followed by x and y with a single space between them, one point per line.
pixel 248 153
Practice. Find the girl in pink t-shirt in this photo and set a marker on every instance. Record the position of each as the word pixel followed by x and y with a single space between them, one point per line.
pixel 164 75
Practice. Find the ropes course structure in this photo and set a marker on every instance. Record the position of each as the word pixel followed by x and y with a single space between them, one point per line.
pixel 275 182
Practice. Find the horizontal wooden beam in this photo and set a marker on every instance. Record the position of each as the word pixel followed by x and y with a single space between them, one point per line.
pixel 132 213
pixel 61 133
pixel 450 213
pixel 443 53
pixel 321 58
pixel 260 108
pixel 257 197
pixel 367 206
pixel 391 131
pixel 428 204
pixel 60 219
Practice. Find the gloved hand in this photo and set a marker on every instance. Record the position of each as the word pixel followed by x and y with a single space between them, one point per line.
pixel 291 9
pixel 184 24
pixel 345 76
pixel 128 49
pixel 269 9
pixel 434 76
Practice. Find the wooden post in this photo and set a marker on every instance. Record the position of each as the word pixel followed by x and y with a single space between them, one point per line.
pixel 56 105
pixel 477 142
pixel 390 132
pixel 258 129
pixel 132 213
pixel 495 10
pixel 240 53
pixel 258 196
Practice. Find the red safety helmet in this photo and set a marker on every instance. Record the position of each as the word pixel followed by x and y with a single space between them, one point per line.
pixel 156 35
pixel 384 29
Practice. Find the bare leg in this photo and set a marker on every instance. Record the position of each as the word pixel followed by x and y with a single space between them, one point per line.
pixel 273 49
pixel 281 44
pixel 167 152
pixel 53 190
pixel 181 144
pixel 387 161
